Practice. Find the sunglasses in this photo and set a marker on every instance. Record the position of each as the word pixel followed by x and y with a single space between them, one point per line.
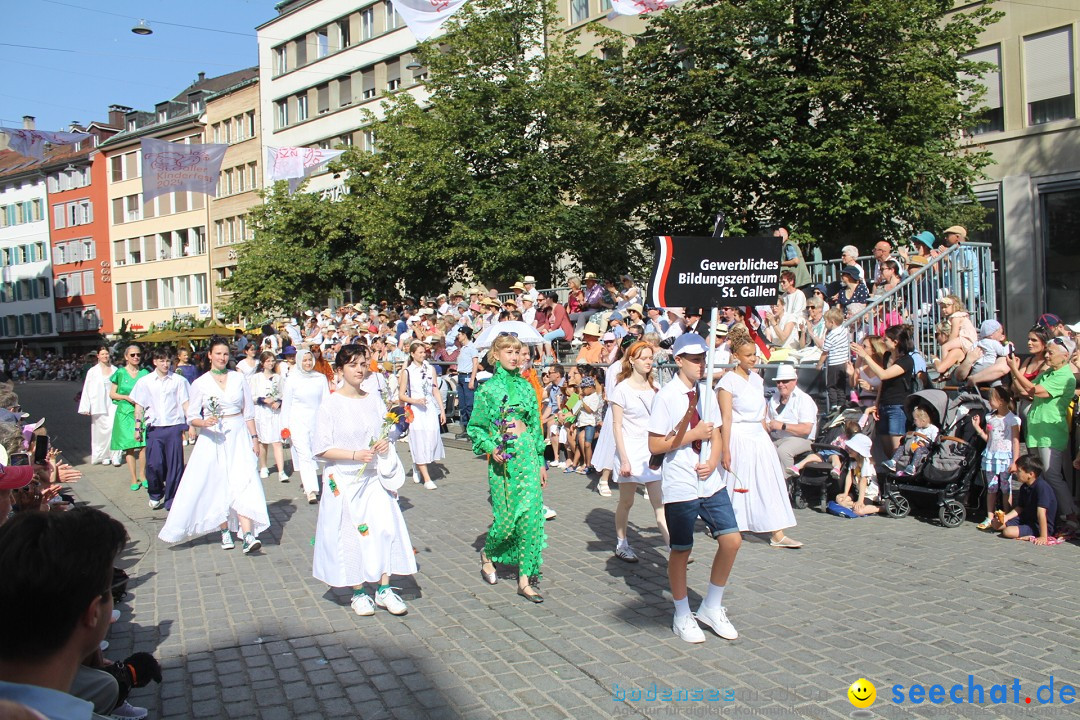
pixel 609 342
pixel 134 354
pixel 508 334
pixel 1059 342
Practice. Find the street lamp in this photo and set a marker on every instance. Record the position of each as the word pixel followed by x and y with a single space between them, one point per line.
pixel 143 28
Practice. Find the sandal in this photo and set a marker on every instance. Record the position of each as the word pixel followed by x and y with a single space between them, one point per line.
pixel 785 542
pixel 569 469
pixel 604 489
pixel 984 525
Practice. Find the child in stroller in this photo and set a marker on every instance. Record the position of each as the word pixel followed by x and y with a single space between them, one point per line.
pixel 916 445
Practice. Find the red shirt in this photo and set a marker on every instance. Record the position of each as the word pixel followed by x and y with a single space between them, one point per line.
pixel 557 318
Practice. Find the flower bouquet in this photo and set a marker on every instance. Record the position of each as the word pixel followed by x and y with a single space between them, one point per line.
pixel 215 408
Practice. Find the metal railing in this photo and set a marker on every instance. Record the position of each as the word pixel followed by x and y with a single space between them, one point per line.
pixel 963 270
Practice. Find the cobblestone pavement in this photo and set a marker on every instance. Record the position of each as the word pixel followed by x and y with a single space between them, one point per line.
pixel 895 601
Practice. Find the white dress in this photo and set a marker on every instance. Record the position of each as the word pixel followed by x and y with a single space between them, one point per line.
pixel 221 481
pixel 95 402
pixel 425 435
pixel 303 394
pixel 343 556
pixel 635 406
pixel 248 369
pixel 603 456
pixel 754 462
pixel 268 422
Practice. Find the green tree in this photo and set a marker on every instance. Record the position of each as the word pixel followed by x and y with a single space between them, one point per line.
pixel 508 171
pixel 840 117
pixel 303 250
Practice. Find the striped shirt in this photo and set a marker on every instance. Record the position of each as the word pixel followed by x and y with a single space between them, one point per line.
pixel 837 346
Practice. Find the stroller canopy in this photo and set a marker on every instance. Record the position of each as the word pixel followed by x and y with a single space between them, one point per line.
pixel 937 401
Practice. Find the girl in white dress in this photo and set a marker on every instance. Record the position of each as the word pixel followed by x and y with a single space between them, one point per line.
pixel 360 536
pixel 250 363
pixel 603 456
pixel 96 403
pixel 630 404
pixel 416 388
pixel 220 488
pixel 267 388
pixel 750 465
pixel 305 390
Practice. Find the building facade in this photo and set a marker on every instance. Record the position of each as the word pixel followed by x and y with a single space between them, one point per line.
pixel 232 117
pixel 75 179
pixel 322 64
pixel 27 315
pixel 1031 128
pixel 160 249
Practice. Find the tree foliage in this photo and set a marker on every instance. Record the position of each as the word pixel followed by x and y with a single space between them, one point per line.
pixel 840 117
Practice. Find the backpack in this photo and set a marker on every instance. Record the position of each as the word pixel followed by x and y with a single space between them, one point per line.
pixel 919 378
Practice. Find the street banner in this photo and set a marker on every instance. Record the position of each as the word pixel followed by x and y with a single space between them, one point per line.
pixel 709 272
pixel 425 17
pixel 638 7
pixel 176 167
pixel 31 143
pixel 287 163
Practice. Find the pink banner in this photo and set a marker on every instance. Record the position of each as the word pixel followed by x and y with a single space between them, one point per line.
pixel 175 167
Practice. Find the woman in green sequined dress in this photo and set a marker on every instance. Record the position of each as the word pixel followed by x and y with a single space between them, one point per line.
pixel 505 426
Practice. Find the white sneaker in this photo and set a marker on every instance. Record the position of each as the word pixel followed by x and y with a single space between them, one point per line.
pixel 226 540
pixel 687 629
pixel 626 553
pixel 264 473
pixel 416 477
pixel 558 464
pixel 717 620
pixel 115 616
pixel 362 604
pixel 157 504
pixel 284 477
pixel 117 461
pixel 251 543
pixel 391 601
pixel 549 514
pixel 127 711
pixel 430 485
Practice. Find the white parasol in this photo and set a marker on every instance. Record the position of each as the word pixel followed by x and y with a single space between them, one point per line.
pixel 524 332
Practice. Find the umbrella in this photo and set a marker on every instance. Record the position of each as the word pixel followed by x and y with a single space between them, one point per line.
pixel 160 336
pixel 205 333
pixel 525 333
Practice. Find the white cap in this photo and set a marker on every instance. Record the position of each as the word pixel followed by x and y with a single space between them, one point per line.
pixel 859 443
pixel 786 371
pixel 689 344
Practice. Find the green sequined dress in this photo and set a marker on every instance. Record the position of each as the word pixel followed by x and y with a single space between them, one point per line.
pixel 517 533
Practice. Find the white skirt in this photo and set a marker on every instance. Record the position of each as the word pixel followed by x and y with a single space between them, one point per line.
pixel 343 556
pixel 425 436
pixel 603 455
pixel 638 450
pixel 267 424
pixel 756 466
pixel 221 483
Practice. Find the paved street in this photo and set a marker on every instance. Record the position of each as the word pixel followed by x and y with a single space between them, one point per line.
pixel 895 601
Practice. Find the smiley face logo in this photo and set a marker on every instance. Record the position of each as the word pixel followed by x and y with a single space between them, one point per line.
pixel 862 693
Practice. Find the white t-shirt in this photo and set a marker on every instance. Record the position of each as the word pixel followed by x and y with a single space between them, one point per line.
pixel 999 429
pixel 680 479
pixel 800 408
pixel 588 409
pixel 794 303
pixel 635 406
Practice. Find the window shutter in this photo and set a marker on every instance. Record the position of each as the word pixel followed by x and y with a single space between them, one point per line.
pixel 58 217
pixel 1048 65
pixel 991 80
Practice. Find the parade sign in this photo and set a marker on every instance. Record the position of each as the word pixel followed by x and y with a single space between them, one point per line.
pixel 715 272
pixel 170 167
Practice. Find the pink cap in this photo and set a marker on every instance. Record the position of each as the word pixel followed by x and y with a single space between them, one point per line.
pixel 13 477
pixel 608 337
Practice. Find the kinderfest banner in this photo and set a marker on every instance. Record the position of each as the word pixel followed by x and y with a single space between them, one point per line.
pixel 170 167
pixel 712 272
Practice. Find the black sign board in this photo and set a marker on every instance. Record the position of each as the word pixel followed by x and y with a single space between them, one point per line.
pixel 715 272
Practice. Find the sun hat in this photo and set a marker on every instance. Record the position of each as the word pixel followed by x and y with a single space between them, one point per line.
pixel 917 260
pixel 529 280
pixel 957 230
pixel 851 271
pixel 591 329
pixel 636 307
pixel 786 371
pixel 590 276
pixel 860 444
pixel 925 238
pixel 988 328
pixel 518 286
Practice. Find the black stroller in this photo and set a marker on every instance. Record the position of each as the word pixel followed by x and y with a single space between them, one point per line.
pixel 951 466
pixel 815 475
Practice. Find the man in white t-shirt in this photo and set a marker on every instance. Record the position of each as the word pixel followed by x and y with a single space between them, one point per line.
pixel 791 418
pixel 692 487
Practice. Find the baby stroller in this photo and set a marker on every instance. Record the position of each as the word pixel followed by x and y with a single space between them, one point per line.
pixel 950 467
pixel 815 475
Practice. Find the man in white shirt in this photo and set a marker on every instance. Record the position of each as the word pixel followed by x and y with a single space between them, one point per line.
pixel 791 418
pixel 693 488
pixel 161 400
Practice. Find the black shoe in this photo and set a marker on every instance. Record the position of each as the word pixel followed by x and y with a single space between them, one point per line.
pixel 533 597
pixel 461 436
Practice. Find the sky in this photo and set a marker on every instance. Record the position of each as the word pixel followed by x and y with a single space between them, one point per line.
pixel 92 60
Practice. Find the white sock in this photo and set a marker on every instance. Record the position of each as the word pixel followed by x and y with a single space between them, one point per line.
pixel 622 543
pixel 715 597
pixel 682 607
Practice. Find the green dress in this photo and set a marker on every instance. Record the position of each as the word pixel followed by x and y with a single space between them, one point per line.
pixel 123 429
pixel 517 533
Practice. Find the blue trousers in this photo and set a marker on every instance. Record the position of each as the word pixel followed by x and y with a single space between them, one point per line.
pixel 164 461
pixel 465 400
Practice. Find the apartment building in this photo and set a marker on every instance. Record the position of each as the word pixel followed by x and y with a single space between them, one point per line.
pixel 232 117
pixel 1032 130
pixel 75 180
pixel 27 316
pixel 159 249
pixel 321 64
